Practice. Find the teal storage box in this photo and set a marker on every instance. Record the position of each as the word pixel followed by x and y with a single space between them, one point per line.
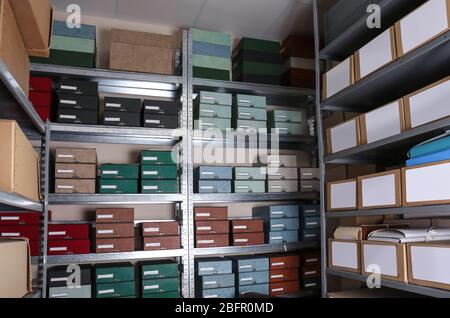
pixel 85 31
pixel 156 157
pixel 155 270
pixel 119 171
pixel 251 125
pixel 72 44
pixel 114 273
pixel 170 295
pixel 276 225
pixel 118 186
pixel 214 186
pixel 287 128
pixel 156 286
pixel 250 173
pixel 262 289
pixel 212 111
pixel 286 116
pixel 276 212
pixel 310 210
pixel 115 290
pixel 211 37
pixel 214 98
pixel 83 291
pixel 213 266
pixel 250 113
pixel 438 144
pixel 214 62
pixel 283 237
pixel 213 173
pixel 205 123
pixel 250 101
pixel 159 186
pixel 253 278
pixel 218 293
pixel 245 264
pixel 216 281
pixel 249 186
pixel 159 172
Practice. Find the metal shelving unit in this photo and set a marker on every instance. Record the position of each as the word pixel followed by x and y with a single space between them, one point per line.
pixel 113 199
pixel 16 201
pixel 414 70
pixel 253 197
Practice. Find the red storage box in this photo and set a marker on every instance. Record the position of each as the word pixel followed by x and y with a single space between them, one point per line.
pixel 43 112
pixel 40 99
pixel 68 232
pixel 20 218
pixel 34 248
pixel 31 232
pixel 40 84
pixel 69 247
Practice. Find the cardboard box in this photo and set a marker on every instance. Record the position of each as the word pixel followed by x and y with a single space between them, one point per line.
pixel 114 216
pixel 118 230
pixel 342 195
pixel 380 190
pixel 427 104
pixel 75 171
pixel 357 233
pixel 15 266
pixel 283 275
pixel 79 186
pixel 162 243
pixel 284 288
pixel 12 49
pixel 245 226
pixel 338 78
pixel 19 162
pixel 382 122
pixel 248 239
pixel 212 227
pixel 215 240
pixel 284 262
pixel 311 271
pixel 68 231
pixel 277 186
pixel 210 213
pixel 309 186
pixel 282 161
pixel 426 184
pixel 344 255
pixel 171 228
pixel 415 29
pixel 69 247
pixel 31 232
pixel 34 19
pixel 75 155
pixel 118 245
pixel 343 136
pixel 428 264
pixel 20 218
pixel 390 258
pixel 375 54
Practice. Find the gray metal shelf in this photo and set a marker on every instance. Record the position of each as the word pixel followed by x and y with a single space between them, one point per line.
pixel 252 197
pixel 434 210
pixel 113 257
pixel 426 291
pixel 17 201
pixel 113 199
pixel 255 249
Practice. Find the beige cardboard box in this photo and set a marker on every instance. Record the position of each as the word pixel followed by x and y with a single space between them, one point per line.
pixel 344 255
pixel 15 268
pixel 338 78
pixel 343 136
pixel 12 49
pixel 19 162
pixel 342 195
pixel 380 190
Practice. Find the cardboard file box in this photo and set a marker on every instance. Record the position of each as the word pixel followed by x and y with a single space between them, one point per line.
pixel 426 184
pixel 213 266
pixel 248 239
pixel 276 212
pixel 120 104
pixel 159 186
pixel 255 56
pixel 375 54
pixel 310 235
pixel 213 240
pixel 282 161
pixel 216 281
pixel 382 122
pixel 344 255
pixel 249 186
pixel 121 119
pixel 380 190
pixel 114 273
pixel 342 195
pixel 290 186
pixel 68 231
pixel 245 264
pixel 80 102
pixel 205 123
pixel 311 283
pixel 343 136
pixel 74 155
pixel 210 49
pixel 282 237
pixel 428 104
pixel 249 113
pixel 250 125
pixel 281 128
pixel 79 186
pixel 77 88
pixel 58 276
pixel 250 101
pixel 212 62
pixel 249 173
pixel 169 295
pixel 72 116
pixel 338 78
pixel 160 121
pixel 311 223
pixel 309 186
pixel 290 224
pixel 246 226
pixel 118 186
pixel 211 73
pixel 283 275
pixel 253 278
pixel 75 171
pixel 31 232
pixel 211 37
pixel 218 293
pixel 69 247
pixel 282 173
pixel 309 173
pixel 214 173
pixel 115 290
pixel 212 227
pixel 428 264
pixel 310 258
pixel 284 288
pixel 161 107
pixel 162 243
pixel 310 271
pixel 422 25
pixel 213 111
pixel 83 291
pixel 161 269
pixel 118 245
pixel 210 213
pixel 214 98
pixel 155 157
pixel 239 76
pixel 118 230
pixel 114 216
pixel 20 218
pixel 159 172
pixel 213 186
pixel 171 228
pixel 157 286
pixel 310 210
pixel 389 258
pixel 259 289
pixel 287 116
pixel 284 262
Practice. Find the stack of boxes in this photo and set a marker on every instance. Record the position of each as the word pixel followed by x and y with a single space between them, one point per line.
pixel 115 281
pixel 41 96
pixel 114 230
pixel 119 179
pixel 75 170
pixel 310 230
pixel 61 287
pixel 213 179
pixel 159 172
pixel 281 223
pixel 211 56
pixel 122 112
pixel 160 280
pixel 68 239
pixel 310 270
pixel 215 278
pixel 284 275
pixel 22 224
pixel 250 113
pixel 161 236
pixel 212 111
pixel 71 46
pixel 288 122
pixel 250 179
pixel 282 173
pixel 309 180
pixel 160 114
pixel 78 102
pixel 247 232
pixel 252 275
pixel 257 61
pixel 211 227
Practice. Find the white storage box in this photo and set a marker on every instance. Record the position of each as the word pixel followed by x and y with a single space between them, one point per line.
pixel 375 54
pixel 342 195
pixel 388 258
pixel 422 25
pixel 338 78
pixel 428 104
pixel 426 184
pixel 344 255
pixel 380 190
pixel 343 136
pixel 383 122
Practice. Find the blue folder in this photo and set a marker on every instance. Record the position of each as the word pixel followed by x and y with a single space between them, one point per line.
pixel 434 157
pixel 85 31
pixel 209 49
pixel 433 145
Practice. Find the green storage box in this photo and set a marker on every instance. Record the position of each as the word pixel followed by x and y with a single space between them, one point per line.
pixel 159 186
pixel 119 171
pixel 159 270
pixel 287 128
pixel 115 290
pixel 156 286
pixel 258 45
pixel 67 58
pixel 65 43
pixel 286 116
pixel 118 186
pixel 250 113
pixel 249 186
pixel 163 295
pixel 214 98
pixel 212 123
pixel 153 172
pixel 211 37
pixel 250 101
pixel 257 68
pixel 250 173
pixel 213 62
pixel 156 157
pixel 114 274
pixel 211 73
pixel 212 111
pixel 259 126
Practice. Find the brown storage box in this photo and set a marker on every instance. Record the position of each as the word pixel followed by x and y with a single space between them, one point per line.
pixel 118 245
pixel 15 268
pixel 390 257
pixel 284 288
pixel 162 243
pixel 114 230
pixel 114 216
pixel 212 227
pixel 215 240
pixel 12 50
pixel 283 275
pixel 284 262
pixel 311 271
pixel 297 46
pixel 210 213
pixel 299 78
pixel 160 229
pixel 34 18
pixel 71 186
pixel 19 162
pixel 380 190
pixel 310 258
pixel 247 226
pixel 75 171
pixel 142 52
pixel 344 255
pixel 75 155
pixel 248 239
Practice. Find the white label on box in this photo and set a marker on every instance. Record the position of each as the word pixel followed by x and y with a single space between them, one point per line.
pixel 9 218
pixel 310 211
pixel 208 98
pixel 344 254
pixel 241 240
pixel 311 260
pixel 310 235
pixel 149 287
pixel 150 158
pixel 240 227
pixel 338 78
pixel 278 264
pixel 65 156
pixel 245 266
pixel 155 272
pixel 307 186
pixel 203 214
pixel 276 187
pixel 113 105
pixel 312 223
pixel 69 102
pixel 65 187
pixel 69 88
pixel 211 296
pixel 383 256
pixel 245 114
pixel 376 53
pixel 112 119
pixel 105 246
pixel 430 264
pixel 343 136
pixel 150 173
pixel 207 173
pixel 105 216
pixel 244 174
pixel 242 187
pixel 310 273
pixel 277 212
pixel 58 279
pixel 157 244
pixel 105 276
pixel 204 228
pixel 277 225
pixel 59 295
pixel 114 172
pixel 105 231
pixel 429 183
pixel 343 195
pixel 207 187
pixel 277 289
pixel 151 229
pixel 204 269
pixel 6 234
pixel 110 187
pixel 151 187
pixel 205 241
pixel 383 122
pixel 276 238
pixel 152 108
pixel 67 116
pixel 310 285
pixel 106 291
pixel 276 276
pixel 208 111
pixel 58 249
pixel 56 233
pixel 152 121
pixel 379 191
pixel 66 171
pixel 307 174
pixel 247 279
pixel 210 283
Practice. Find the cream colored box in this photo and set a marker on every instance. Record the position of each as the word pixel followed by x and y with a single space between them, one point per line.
pixel 344 136
pixel 342 195
pixel 380 190
pixel 338 78
pixel 344 255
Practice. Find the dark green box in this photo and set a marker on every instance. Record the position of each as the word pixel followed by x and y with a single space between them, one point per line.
pixel 114 274
pixel 118 186
pixel 159 186
pixel 156 286
pixel 163 295
pixel 115 290
pixel 210 73
pixel 158 172
pixel 119 171
pixel 67 58
pixel 157 157
pixel 258 45
pixel 158 270
pixel 257 68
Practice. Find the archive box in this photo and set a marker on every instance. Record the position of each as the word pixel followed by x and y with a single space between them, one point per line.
pixel 162 243
pixel 287 224
pixel 159 269
pixel 253 278
pixel 58 276
pixel 213 266
pixel 210 213
pixel 76 155
pixel 282 173
pixel 69 186
pixel 338 78
pixel 160 285
pixel 276 212
pixel 161 228
pixel 212 227
pixel 114 215
pixel 244 264
pixel 343 136
pixel 281 237
pixel 284 262
pixel 247 239
pixel 245 226
pixel 114 273
pixel 120 104
pixel 344 255
pixel 261 289
pixel 212 240
pixel 283 275
pixel 284 288
pixel 15 281
pixel 83 291
pixel 342 195
pixel 216 281
pixel 277 186
pixel 111 230
pixel 380 190
pixel 116 245
pixel 282 161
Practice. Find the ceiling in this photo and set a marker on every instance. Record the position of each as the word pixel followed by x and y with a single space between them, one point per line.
pixel 266 19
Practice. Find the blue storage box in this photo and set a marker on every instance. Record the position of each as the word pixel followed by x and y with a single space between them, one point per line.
pixel 276 212
pixel 262 289
pixel 216 281
pixel 253 278
pixel 276 225
pixel 430 158
pixel 433 145
pixel 213 186
pixel 85 32
pixel 214 173
pixel 210 49
pixel 251 264
pixel 282 237
pixel 213 266
pixel 311 223
pixel 310 210
pixel 219 293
